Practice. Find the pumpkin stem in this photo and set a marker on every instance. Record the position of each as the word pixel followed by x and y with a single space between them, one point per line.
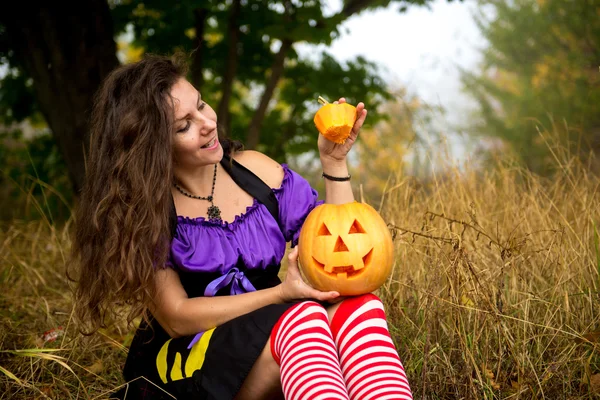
pixel 322 100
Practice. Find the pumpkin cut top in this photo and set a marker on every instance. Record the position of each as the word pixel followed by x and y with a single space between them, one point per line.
pixel 253 241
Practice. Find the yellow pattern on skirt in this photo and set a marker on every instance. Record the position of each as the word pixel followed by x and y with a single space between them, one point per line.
pixel 184 365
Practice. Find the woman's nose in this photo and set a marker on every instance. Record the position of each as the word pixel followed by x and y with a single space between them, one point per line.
pixel 207 125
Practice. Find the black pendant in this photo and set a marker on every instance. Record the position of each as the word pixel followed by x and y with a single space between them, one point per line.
pixel 213 212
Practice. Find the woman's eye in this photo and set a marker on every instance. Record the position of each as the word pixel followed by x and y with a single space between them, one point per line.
pixel 185 128
pixel 188 123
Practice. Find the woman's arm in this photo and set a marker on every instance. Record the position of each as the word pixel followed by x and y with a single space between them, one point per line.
pixel 333 161
pixel 337 192
pixel 180 315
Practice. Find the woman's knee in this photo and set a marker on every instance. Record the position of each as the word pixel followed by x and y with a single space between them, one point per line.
pixel 298 313
pixel 340 313
pixel 360 300
pixel 351 303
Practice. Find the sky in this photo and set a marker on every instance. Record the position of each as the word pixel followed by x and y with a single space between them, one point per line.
pixel 419 49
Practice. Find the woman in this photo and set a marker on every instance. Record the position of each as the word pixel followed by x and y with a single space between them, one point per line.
pixel 188 231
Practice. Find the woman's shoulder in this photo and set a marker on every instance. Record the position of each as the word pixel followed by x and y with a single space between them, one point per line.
pixel 267 169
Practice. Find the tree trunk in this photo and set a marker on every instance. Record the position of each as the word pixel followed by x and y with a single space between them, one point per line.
pixel 67 53
pixel 233 29
pixel 200 15
pixel 277 150
pixel 355 6
pixel 253 138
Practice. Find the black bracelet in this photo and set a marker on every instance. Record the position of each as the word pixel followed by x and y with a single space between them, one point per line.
pixel 336 178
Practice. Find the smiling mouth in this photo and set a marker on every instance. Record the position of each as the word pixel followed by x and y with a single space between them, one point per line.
pixel 346 271
pixel 210 144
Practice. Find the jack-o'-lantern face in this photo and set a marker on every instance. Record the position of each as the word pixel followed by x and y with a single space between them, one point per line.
pixel 332 252
pixel 346 248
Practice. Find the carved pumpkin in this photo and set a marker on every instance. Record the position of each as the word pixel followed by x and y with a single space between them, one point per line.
pixel 335 121
pixel 346 248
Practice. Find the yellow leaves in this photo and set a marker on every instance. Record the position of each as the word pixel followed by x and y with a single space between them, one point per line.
pixel 592 336
pixel 128 52
pixel 414 103
pixel 369 140
pixel 465 301
pixel 592 382
pixel 213 38
pixel 552 70
pixel 595 383
pixel 142 11
pixel 382 148
pixel 190 33
pixel 509 82
pixel 489 375
pixel 96 368
pixel 541 75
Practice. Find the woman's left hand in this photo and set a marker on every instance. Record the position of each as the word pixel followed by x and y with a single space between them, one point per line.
pixel 337 152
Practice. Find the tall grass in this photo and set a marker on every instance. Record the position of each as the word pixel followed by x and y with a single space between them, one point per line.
pixel 495 288
pixel 494 293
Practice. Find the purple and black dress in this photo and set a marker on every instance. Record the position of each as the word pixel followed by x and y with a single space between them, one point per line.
pixel 216 258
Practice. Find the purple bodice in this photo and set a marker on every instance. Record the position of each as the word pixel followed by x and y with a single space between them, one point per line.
pixel 252 242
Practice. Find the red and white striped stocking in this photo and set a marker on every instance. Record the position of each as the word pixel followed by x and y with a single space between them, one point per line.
pixel 302 345
pixel 369 360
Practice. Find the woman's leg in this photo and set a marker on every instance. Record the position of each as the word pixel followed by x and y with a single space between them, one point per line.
pixel 300 356
pixel 301 343
pixel 263 382
pixel 369 360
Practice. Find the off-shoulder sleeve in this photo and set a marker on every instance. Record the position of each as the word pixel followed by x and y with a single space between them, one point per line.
pixel 296 200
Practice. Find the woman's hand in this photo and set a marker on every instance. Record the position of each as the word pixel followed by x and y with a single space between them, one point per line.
pixel 294 288
pixel 334 152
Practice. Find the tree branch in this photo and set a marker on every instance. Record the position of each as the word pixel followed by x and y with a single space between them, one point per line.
pixel 277 150
pixel 200 15
pixel 233 29
pixel 253 137
pixel 355 6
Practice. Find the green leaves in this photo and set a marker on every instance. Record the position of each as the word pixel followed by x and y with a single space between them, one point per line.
pixel 17 100
pixel 305 80
pixel 539 74
pixel 261 27
pixel 204 30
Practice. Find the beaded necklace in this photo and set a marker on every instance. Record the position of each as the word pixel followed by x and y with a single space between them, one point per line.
pixel 213 211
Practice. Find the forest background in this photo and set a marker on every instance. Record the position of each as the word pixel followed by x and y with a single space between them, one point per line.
pixel 495 287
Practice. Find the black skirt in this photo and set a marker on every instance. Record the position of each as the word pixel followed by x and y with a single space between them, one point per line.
pixel 214 368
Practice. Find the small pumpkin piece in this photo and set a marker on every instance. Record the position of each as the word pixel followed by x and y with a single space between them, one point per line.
pixel 335 121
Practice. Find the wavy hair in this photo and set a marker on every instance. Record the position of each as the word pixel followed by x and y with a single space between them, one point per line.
pixel 122 224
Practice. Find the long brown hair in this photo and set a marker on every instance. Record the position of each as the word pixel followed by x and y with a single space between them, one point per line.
pixel 122 230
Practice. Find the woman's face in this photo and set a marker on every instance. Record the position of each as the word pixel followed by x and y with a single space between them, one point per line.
pixel 195 142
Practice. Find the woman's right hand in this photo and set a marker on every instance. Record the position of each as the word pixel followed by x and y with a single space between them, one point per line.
pixel 294 288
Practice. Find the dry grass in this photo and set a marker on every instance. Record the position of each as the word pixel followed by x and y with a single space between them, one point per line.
pixel 495 290
pixel 494 293
pixel 36 299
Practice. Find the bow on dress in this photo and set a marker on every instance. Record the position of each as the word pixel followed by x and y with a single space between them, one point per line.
pixel 239 284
